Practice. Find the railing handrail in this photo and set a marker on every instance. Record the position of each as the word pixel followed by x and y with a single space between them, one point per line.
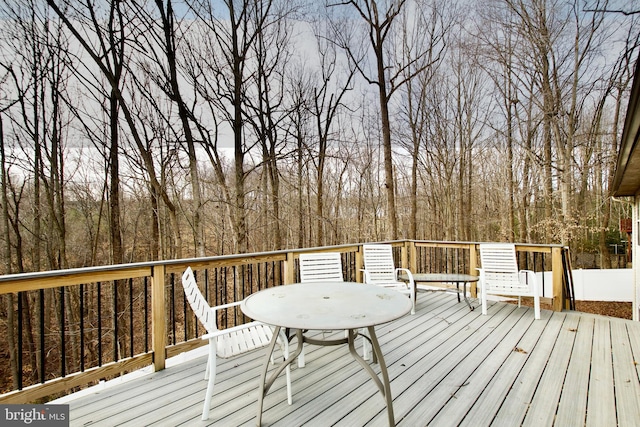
pixel 171 265
pixel 229 257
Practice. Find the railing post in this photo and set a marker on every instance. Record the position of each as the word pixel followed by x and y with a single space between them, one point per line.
pixel 404 256
pixel 556 272
pixel 158 311
pixel 473 269
pixel 289 269
pixel 413 257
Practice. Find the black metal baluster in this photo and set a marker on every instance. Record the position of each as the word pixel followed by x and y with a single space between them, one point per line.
pixel 216 297
pixel 131 317
pixel 63 349
pixel 184 312
pixel 20 328
pixel 42 349
pixel 81 327
pixel 543 281
pixel 115 320
pixel 238 281
pixel 173 309
pixel 146 314
pixel 99 324
pixel 222 289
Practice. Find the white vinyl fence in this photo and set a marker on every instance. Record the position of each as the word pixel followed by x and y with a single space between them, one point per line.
pixel 598 285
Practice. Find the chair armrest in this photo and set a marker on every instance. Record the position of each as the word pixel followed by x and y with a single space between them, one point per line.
pixel 228 305
pixel 411 284
pixel 226 331
pixel 219 332
pixel 532 280
pixel 407 272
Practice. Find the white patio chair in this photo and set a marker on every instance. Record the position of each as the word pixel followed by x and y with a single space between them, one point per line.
pixel 499 275
pixel 380 270
pixel 228 342
pixel 319 267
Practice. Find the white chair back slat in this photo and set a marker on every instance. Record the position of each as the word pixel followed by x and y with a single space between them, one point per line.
pixel 317 267
pixel 264 335
pixel 378 262
pixel 198 303
pixel 500 269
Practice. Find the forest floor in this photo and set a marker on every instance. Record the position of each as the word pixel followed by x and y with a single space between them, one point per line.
pixel 622 310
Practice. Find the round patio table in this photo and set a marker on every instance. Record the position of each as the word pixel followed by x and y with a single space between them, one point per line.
pixel 327 306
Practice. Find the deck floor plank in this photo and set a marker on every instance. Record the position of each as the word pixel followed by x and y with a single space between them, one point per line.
pixel 464 361
pixel 493 356
pixel 543 406
pixel 489 401
pixel 573 402
pixel 601 409
pixel 634 341
pixel 438 364
pixel 516 403
pixel 447 365
pixel 627 389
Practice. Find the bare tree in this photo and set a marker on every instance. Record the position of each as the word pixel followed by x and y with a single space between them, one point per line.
pixel 267 112
pixel 333 82
pixel 392 71
pixel 226 59
pixel 429 31
pixel 162 41
pixel 620 78
pixel 101 55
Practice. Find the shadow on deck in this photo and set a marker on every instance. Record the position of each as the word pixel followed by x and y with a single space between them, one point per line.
pixel 448 366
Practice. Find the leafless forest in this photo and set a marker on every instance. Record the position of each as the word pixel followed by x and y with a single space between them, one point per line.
pixel 145 130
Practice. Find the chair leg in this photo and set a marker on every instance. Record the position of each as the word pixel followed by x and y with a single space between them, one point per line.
pixel 483 297
pixel 365 345
pixel 206 371
pixel 536 301
pixel 284 344
pixel 412 295
pixel 211 373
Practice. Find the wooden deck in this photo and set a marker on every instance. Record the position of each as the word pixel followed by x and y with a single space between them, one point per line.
pixel 448 366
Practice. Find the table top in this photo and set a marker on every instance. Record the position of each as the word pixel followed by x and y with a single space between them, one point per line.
pixel 441 277
pixel 326 305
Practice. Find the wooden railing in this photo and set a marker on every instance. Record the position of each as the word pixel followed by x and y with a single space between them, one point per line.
pixel 73 328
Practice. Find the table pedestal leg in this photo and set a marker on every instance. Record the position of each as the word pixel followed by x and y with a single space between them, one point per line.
pixel 265 384
pixel 464 294
pixel 383 386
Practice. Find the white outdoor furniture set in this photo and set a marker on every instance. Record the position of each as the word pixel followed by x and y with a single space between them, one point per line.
pixel 499 275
